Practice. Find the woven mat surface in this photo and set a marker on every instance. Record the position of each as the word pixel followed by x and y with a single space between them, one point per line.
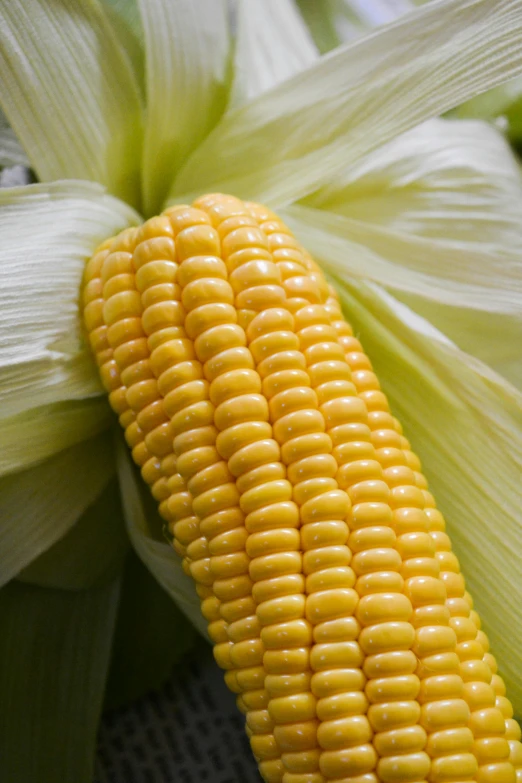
pixel 190 732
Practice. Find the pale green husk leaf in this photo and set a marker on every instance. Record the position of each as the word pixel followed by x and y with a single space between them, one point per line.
pixel 48 233
pixel 90 553
pixel 126 21
pixel 40 505
pixel 69 93
pixel 435 216
pixel 151 626
pixel 272 44
pixel 442 179
pixel 465 422
pixel 322 23
pixel 504 102
pixel 54 654
pixel 145 528
pixel 35 435
pixel 297 136
pixel 462 308
pixel 494 338
pixel 187 58
pixel 333 21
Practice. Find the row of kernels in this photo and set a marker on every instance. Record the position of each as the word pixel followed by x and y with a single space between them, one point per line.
pixel 428 595
pixel 383 611
pixel 260 476
pixel 106 337
pixel 323 509
pixel 126 356
pixel 344 730
pixel 170 348
pixel 441 688
pixel 180 373
pixel 302 286
pixel 512 728
pixel 459 602
pixel 278 587
pixel 218 343
pixel 92 299
pixel 491 713
pixel 345 733
pixel 162 314
pixel 296 427
pixel 124 351
pixel 490 752
pixel 93 302
pixel 387 640
pixel 162 317
pixel 273 527
pixel 186 403
pixel 409 544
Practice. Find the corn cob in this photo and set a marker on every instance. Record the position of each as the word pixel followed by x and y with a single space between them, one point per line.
pixel 334 602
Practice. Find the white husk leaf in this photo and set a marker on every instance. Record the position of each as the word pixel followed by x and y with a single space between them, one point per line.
pixel 48 233
pixel 186 69
pixel 39 506
pixel 69 93
pixel 272 44
pixel 144 528
pixel 297 136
